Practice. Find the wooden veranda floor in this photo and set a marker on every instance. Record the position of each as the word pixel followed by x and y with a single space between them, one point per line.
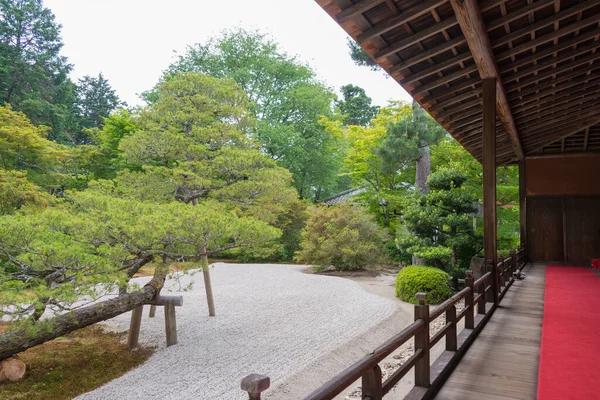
pixel 503 361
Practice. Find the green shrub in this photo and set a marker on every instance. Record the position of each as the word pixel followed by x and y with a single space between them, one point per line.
pixel 414 279
pixel 343 236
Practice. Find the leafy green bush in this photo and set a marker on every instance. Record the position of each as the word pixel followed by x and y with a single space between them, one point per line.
pixel 343 236
pixel 414 279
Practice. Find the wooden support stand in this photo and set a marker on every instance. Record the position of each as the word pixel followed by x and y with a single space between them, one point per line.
pixel 255 384
pixel 169 303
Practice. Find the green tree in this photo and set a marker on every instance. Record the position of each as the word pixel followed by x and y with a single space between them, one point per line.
pixel 356 106
pixel 286 99
pixel 438 228
pixel 95 100
pixel 33 74
pixel 408 141
pixel 192 145
pixel 385 184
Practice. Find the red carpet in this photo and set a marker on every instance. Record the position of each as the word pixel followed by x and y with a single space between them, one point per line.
pixel 570 353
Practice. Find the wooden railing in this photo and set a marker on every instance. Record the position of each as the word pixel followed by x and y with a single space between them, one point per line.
pixel 428 377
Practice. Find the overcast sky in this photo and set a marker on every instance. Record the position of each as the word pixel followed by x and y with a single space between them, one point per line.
pixel 132 41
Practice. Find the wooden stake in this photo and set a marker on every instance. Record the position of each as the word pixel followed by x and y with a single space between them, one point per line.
pixel 170 324
pixel 134 327
pixel 207 284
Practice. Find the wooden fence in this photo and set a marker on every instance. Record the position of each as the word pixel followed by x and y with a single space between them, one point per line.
pixel 428 377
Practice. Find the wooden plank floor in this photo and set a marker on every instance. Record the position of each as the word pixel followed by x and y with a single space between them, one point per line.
pixel 503 361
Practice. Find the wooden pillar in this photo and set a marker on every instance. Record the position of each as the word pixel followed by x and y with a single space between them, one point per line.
pixel 523 207
pixel 489 180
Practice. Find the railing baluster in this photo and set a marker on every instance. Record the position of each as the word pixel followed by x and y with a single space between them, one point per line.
pixel 422 367
pixel 372 384
pixel 451 339
pixel 470 315
pixel 482 299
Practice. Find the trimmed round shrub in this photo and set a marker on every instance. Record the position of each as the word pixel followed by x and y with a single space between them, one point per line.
pixel 414 279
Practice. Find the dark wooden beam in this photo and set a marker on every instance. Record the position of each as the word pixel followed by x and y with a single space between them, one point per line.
pixel 449 94
pixel 470 20
pixel 434 69
pixel 446 79
pixel 357 9
pixel 570 130
pixel 586 138
pixel 420 9
pixel 416 38
pixel 489 178
pixel 551 62
pixel 424 55
pixel 553 71
pixel 531 28
pixel 546 52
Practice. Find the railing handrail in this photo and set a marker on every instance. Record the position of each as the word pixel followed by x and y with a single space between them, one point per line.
pixel 443 307
pixel 341 381
pixel 482 279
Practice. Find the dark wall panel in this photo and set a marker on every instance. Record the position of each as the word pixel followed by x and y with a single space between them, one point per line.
pixel 545 229
pixel 567 175
pixel 583 229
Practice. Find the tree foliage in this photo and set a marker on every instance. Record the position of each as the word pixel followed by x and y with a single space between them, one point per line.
pixel 286 99
pixel 438 227
pixel 361 57
pixel 356 106
pixel 96 99
pixel 343 236
pixel 33 74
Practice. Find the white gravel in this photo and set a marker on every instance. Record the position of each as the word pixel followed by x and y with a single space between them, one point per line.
pixel 271 319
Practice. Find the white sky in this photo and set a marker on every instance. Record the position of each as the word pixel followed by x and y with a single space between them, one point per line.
pixel 132 41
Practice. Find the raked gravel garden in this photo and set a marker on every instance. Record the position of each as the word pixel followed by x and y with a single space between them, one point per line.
pixel 271 319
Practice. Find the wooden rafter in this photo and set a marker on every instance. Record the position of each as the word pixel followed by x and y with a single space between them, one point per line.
pixel 470 20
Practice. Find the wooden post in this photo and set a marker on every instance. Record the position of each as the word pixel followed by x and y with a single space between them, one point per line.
pixel 170 324
pixel 255 384
pixel 152 311
pixel 522 205
pixel 422 368
pixel 372 384
pixel 470 315
pixel 207 284
pixel 451 339
pixel 134 327
pixel 502 274
pixel 489 180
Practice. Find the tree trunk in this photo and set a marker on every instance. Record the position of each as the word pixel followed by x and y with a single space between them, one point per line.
pixel 423 170
pixel 422 174
pixel 22 339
